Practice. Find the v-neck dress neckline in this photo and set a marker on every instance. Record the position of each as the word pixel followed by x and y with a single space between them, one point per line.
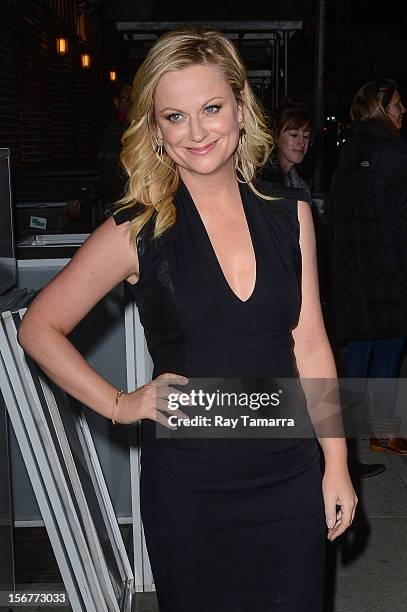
pixel 215 259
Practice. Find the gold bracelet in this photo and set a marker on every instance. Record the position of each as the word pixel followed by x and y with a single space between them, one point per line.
pixel 115 404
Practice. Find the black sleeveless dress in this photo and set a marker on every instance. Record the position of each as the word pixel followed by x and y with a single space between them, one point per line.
pixel 234 525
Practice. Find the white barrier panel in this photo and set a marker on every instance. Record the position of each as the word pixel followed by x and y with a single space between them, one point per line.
pixel 63 466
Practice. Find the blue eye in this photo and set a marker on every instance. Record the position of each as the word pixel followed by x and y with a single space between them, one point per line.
pixel 175 117
pixel 212 109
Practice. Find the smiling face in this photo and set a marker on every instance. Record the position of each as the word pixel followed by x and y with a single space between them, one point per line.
pixel 396 110
pixel 292 147
pixel 197 119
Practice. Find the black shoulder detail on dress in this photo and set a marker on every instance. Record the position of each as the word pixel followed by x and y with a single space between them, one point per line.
pixel 280 191
pixel 124 214
pixel 285 204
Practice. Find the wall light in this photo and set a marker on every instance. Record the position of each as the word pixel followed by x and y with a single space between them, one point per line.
pixel 62 45
pixel 86 61
pixel 112 75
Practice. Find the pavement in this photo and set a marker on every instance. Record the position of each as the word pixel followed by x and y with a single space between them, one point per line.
pixel 371 563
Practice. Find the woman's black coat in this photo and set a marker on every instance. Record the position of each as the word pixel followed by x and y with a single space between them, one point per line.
pixel 369 214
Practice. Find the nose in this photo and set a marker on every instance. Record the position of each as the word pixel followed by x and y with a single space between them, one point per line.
pixel 403 109
pixel 301 141
pixel 197 131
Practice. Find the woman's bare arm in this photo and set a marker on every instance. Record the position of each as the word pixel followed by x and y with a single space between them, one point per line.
pixel 313 353
pixel 101 263
pixel 315 362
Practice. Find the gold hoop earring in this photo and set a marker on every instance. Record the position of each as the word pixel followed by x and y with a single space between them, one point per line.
pixel 157 144
pixel 159 151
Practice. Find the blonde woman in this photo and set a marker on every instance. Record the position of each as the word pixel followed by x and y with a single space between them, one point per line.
pixel 214 265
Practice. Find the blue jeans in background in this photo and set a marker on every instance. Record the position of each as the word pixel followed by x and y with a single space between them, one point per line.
pixel 375 359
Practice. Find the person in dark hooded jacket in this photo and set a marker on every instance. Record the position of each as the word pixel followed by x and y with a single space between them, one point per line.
pixel 369 198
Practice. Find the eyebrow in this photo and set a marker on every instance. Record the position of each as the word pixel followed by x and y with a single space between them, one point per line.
pixel 168 108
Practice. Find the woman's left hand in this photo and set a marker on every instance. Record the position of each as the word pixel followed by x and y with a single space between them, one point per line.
pixel 339 498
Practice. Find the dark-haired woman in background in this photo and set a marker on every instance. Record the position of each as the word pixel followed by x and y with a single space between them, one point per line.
pixel 293 126
pixel 369 193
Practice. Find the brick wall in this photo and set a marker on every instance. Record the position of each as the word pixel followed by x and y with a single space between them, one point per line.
pixel 62 106
pixel 50 108
pixel 9 130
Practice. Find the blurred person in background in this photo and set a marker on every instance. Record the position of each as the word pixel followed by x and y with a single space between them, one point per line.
pixel 369 196
pixel 112 174
pixel 293 128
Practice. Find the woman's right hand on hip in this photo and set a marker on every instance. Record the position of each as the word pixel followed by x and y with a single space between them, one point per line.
pixel 151 401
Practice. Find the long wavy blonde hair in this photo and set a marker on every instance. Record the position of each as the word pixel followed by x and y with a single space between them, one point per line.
pixel 153 178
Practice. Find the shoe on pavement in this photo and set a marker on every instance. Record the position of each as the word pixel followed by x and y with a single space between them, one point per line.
pixel 395 445
pixel 365 470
